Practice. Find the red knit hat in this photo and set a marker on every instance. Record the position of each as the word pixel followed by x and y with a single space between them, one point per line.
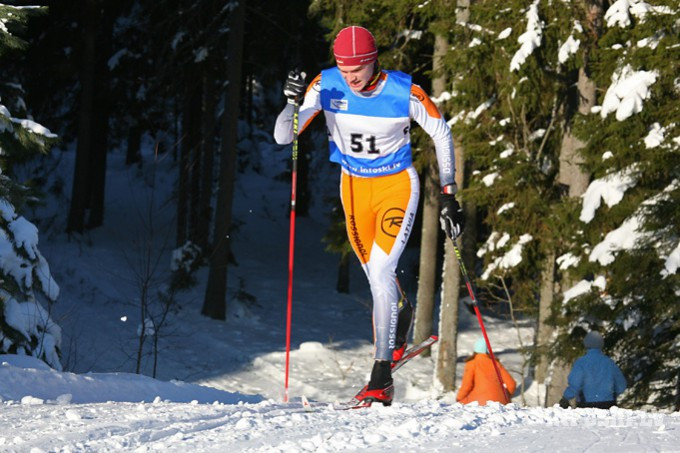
pixel 354 46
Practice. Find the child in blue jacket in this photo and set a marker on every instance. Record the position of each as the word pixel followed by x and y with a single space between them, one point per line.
pixel 595 380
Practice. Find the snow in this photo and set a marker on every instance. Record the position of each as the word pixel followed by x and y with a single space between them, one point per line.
pixel 530 39
pixel 31 320
pixel 618 14
pixel 270 426
pixel 567 260
pixel 34 127
pixel 583 287
pixel 219 384
pixel 609 189
pixel 627 92
pixel 655 136
pixel 5 5
pixel 624 237
pixel 481 108
pixel 672 263
pixel 630 234
pixel 489 179
pixel 475 42
pixel 652 42
pixel 570 47
pixel 29 125
pixel 511 259
pixel 505 207
pixel 505 33
pixel 509 151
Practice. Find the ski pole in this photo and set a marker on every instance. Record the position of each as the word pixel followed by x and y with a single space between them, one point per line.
pixel 291 243
pixel 471 291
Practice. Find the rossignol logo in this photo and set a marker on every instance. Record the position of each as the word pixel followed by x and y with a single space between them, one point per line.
pixel 339 104
pixel 358 245
pixel 391 221
pixel 394 319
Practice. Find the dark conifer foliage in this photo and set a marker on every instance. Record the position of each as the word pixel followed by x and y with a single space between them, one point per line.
pixel 25 279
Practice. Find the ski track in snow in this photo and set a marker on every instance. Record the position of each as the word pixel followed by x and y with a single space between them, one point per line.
pixel 284 427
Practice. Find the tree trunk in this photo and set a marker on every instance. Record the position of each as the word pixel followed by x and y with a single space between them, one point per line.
pixel 189 145
pixel 209 123
pixel 193 135
pixel 544 331
pixel 556 382
pixel 571 172
pixel 81 190
pixel 448 323
pixel 215 303
pixel 445 370
pixel 101 109
pixel 427 271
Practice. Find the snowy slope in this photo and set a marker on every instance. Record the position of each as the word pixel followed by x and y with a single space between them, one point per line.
pixel 231 423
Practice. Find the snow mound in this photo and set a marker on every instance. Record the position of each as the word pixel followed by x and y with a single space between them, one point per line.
pixel 30 381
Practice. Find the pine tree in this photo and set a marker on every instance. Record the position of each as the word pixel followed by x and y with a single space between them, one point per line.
pixel 25 326
pixel 506 105
pixel 626 249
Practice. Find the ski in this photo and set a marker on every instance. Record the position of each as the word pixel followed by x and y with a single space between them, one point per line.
pixel 415 351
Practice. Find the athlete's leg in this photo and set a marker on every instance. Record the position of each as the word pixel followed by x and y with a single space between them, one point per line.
pixel 396 200
pixel 379 215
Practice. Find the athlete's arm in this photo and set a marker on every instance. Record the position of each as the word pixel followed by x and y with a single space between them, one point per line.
pixel 427 115
pixel 310 107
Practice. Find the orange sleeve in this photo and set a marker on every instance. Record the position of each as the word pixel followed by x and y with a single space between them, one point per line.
pixel 315 80
pixel 424 99
pixel 507 379
pixel 468 382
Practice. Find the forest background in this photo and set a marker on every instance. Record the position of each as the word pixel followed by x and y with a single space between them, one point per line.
pixel 565 117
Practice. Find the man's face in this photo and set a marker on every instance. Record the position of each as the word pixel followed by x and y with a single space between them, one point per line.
pixel 357 76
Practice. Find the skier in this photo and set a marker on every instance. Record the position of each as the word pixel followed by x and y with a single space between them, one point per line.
pixel 480 381
pixel 594 380
pixel 368 114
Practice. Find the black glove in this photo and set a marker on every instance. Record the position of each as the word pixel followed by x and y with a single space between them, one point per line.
pixel 564 403
pixel 451 215
pixel 294 88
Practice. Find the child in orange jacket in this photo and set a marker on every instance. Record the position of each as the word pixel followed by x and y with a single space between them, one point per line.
pixel 480 382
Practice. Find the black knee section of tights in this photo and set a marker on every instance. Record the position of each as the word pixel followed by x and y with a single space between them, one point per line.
pixel 404 322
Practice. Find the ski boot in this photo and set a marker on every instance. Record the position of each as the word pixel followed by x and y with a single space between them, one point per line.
pixel 380 388
pixel 367 397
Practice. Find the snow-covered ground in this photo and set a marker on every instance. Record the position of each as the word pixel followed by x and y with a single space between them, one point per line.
pixel 128 412
pixel 220 385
